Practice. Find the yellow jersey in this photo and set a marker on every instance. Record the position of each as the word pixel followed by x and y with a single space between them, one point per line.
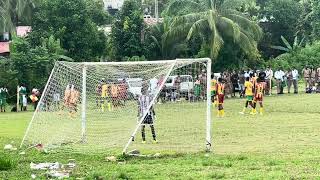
pixel 104 90
pixel 213 85
pixel 249 88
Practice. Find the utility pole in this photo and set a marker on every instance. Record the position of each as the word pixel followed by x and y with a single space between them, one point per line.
pixel 156 9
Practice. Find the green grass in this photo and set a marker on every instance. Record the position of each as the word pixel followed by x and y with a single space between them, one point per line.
pixel 282 144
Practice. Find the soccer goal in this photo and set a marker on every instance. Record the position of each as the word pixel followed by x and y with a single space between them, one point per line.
pixel 152 106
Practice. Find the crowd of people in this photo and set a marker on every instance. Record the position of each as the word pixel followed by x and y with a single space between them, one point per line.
pixel 280 78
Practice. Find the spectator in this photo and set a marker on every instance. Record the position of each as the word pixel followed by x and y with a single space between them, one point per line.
pixel 177 83
pixel 306 76
pixel 318 75
pixel 289 79
pixel 295 78
pixel 269 76
pixel 312 77
pixel 279 78
pixel 235 82
pixel 197 89
pixel 34 97
pixel 242 80
pixel 23 97
pixel 3 99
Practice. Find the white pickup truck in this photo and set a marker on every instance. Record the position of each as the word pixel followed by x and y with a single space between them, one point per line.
pixel 186 84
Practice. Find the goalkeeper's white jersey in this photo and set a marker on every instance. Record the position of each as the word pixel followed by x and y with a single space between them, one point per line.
pixel 144 103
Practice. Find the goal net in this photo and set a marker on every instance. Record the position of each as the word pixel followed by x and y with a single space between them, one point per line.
pixel 151 106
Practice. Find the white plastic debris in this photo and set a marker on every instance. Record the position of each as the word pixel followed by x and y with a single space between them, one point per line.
pixel 111 158
pixel 58 174
pixel 8 147
pixel 33 176
pixel 157 155
pixel 22 153
pixel 45 166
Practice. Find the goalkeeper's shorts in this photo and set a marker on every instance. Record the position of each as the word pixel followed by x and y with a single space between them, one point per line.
pixel 148 120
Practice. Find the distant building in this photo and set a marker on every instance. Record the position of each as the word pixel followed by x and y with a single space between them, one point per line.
pixel 112 6
pixel 5 38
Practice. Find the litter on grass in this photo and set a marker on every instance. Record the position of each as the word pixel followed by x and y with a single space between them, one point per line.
pixel 9 147
pixel 55 170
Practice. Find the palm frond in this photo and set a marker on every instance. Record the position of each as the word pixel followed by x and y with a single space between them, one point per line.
pixel 182 7
pixel 198 27
pixel 189 18
pixel 247 45
pixel 216 42
pixel 284 40
pixel 247 24
pixel 229 28
pixel 280 48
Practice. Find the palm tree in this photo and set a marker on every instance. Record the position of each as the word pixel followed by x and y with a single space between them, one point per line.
pixel 214 22
pixel 14 11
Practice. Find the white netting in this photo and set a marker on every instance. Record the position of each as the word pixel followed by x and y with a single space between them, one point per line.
pixel 117 96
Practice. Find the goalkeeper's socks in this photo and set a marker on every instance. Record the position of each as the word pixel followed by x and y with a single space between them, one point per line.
pixel 102 107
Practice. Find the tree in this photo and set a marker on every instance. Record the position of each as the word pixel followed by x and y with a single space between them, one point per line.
pixel 315 19
pixel 281 18
pixel 72 22
pixel 215 22
pixel 13 12
pixel 126 32
pixel 33 64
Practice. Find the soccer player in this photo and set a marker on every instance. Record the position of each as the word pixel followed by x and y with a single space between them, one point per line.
pixel 258 95
pixel 23 97
pixel 105 96
pixel 74 97
pixel 213 89
pixel 144 101
pixel 66 98
pixel 220 97
pixel 248 91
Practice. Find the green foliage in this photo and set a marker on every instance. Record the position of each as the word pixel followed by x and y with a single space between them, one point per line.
pixel 215 23
pixel 282 20
pixel 72 22
pixel 8 76
pixel 315 19
pixel 33 64
pixel 6 162
pixel 288 48
pixel 126 31
pixel 310 55
pixel 13 12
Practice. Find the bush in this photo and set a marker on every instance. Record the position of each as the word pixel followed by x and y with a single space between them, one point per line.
pixel 310 55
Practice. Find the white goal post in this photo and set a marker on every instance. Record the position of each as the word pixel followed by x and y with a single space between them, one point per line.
pixel 100 106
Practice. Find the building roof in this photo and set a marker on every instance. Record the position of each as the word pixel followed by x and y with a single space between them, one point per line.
pixel 4 47
pixel 23 30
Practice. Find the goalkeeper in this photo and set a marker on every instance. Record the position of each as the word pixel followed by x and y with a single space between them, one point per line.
pixel 144 101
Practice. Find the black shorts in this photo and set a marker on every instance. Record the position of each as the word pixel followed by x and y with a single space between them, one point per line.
pixel 148 120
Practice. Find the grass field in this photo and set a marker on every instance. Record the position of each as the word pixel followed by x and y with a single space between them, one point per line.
pixel 282 144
